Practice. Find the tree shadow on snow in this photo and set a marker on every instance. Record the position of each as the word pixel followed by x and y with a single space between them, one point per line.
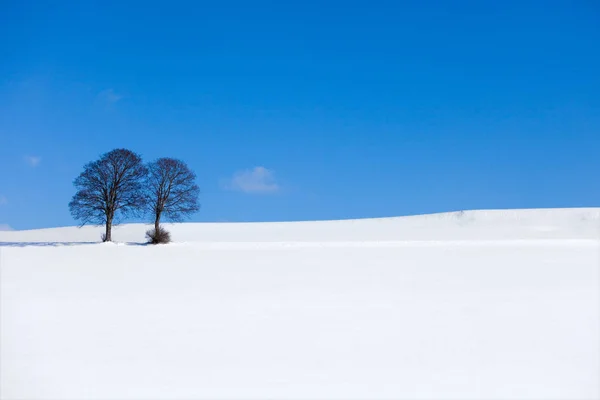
pixel 43 244
pixel 61 244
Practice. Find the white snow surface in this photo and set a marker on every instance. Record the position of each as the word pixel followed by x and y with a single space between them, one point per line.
pixel 501 304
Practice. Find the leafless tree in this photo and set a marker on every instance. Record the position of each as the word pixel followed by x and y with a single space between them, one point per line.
pixel 171 191
pixel 110 185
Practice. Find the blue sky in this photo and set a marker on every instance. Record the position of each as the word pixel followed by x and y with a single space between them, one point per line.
pixel 305 110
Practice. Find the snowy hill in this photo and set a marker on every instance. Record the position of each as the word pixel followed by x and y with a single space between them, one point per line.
pixel 499 304
pixel 569 223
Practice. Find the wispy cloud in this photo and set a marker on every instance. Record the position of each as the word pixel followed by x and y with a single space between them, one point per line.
pixel 109 96
pixel 6 227
pixel 33 161
pixel 254 180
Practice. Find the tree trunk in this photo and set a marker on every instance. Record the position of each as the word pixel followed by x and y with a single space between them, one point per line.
pixel 157 223
pixel 108 234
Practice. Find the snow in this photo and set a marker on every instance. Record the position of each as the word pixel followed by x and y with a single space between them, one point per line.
pixel 498 304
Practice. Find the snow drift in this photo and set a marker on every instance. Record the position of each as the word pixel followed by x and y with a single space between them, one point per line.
pixel 469 305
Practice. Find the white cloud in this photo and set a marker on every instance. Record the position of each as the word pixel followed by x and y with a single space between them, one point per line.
pixel 33 161
pixel 255 180
pixel 6 227
pixel 3 200
pixel 109 96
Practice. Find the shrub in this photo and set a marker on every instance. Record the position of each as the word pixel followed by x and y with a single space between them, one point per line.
pixel 158 237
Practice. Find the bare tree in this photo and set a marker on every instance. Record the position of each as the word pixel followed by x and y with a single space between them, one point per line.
pixel 110 185
pixel 172 192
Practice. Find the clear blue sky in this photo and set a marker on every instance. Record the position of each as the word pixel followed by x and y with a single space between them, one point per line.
pixel 305 110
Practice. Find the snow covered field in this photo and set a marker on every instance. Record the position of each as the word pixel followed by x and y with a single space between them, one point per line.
pixel 473 305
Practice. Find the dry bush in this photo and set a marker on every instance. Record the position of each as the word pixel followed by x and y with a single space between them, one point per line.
pixel 161 237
